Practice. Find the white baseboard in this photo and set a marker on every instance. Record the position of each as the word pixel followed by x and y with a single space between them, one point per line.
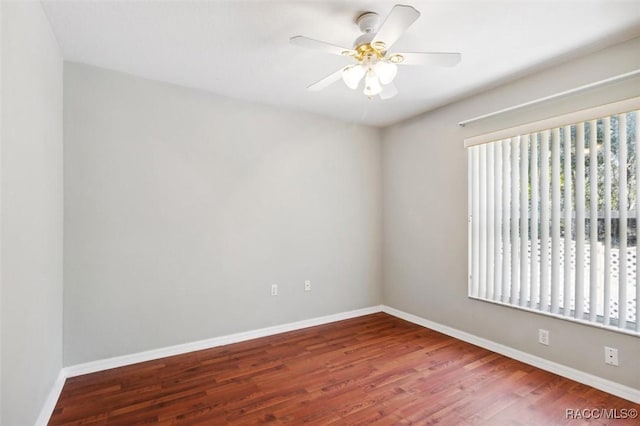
pixel 119 361
pixel 605 385
pixel 52 400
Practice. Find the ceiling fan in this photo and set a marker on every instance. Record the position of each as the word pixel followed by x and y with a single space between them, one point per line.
pixel 373 61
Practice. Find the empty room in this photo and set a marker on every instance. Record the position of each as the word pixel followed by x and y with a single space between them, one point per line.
pixel 319 212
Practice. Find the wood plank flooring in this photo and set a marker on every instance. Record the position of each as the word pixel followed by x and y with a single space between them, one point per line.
pixel 371 370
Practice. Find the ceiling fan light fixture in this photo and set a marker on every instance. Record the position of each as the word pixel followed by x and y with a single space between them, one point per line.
pixel 372 85
pixel 352 74
pixel 386 71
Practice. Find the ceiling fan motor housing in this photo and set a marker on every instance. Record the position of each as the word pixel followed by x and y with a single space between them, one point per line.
pixel 363 39
pixel 367 22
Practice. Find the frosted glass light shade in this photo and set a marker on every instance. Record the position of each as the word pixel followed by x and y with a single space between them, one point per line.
pixel 386 71
pixel 372 85
pixel 352 74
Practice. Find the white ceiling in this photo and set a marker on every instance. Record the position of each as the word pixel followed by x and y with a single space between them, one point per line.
pixel 240 49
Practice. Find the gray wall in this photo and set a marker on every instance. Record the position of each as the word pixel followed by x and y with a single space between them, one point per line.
pixel 425 212
pixel 182 208
pixel 31 212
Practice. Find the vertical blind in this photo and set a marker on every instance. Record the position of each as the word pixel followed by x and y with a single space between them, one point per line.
pixel 553 221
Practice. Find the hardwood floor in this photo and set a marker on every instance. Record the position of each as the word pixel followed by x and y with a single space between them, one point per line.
pixel 375 369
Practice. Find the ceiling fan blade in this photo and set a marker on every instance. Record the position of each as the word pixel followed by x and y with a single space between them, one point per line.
pixel 396 23
pixel 310 43
pixel 328 80
pixel 388 91
pixel 438 59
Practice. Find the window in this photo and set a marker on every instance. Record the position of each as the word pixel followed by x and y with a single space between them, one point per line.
pixel 553 216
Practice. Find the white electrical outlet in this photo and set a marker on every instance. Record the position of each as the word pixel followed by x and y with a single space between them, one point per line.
pixel 274 289
pixel 307 285
pixel 610 356
pixel 543 337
